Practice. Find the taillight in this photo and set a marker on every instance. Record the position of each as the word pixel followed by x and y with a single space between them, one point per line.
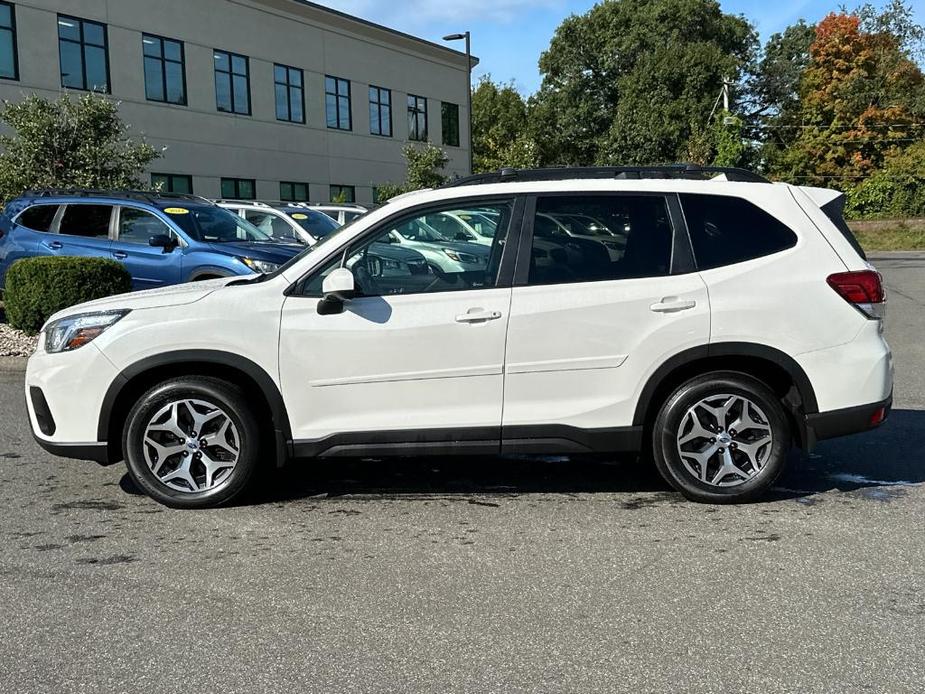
pixel 863 289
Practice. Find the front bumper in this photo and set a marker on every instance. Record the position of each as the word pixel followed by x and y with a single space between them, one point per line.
pixel 850 420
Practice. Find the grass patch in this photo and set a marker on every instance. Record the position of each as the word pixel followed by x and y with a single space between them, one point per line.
pixel 890 234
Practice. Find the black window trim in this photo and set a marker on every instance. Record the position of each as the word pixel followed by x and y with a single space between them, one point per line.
pixel 294 184
pixel 379 104
pixel 288 85
pixel 680 263
pixel 508 254
pixel 337 97
pixel 231 75
pixel 164 60
pixel 170 177
pixel 443 134
pixel 14 35
pixel 416 110
pixel 237 187
pixel 83 56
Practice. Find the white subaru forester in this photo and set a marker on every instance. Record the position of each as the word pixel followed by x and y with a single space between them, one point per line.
pixel 725 320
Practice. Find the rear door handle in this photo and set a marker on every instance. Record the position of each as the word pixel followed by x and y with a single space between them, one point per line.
pixel 478 315
pixel 119 255
pixel 672 304
pixel 54 245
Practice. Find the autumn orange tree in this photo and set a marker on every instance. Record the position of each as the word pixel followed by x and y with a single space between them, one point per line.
pixel 861 100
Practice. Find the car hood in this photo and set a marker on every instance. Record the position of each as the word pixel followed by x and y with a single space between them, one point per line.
pixel 271 252
pixel 465 247
pixel 174 295
pixel 393 251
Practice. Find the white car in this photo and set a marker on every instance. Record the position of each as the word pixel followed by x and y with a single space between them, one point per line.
pixel 742 320
pixel 291 222
pixel 342 213
pixel 446 255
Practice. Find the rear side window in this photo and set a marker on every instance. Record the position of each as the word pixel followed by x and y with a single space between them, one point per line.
pixel 834 211
pixel 727 230
pixel 86 220
pixel 595 238
pixel 38 218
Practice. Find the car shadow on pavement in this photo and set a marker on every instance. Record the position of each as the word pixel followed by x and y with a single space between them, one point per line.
pixel 890 456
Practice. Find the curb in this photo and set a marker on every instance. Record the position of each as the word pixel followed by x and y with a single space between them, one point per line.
pixel 13 364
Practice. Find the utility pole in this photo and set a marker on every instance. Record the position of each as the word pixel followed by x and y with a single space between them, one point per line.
pixel 457 37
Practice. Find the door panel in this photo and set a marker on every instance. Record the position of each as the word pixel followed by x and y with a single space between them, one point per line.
pixel 83 230
pixel 148 265
pixel 394 363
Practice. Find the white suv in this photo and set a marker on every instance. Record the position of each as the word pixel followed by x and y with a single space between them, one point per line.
pixel 740 319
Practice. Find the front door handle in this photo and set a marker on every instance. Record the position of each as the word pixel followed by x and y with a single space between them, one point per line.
pixel 119 255
pixel 672 304
pixel 478 315
pixel 54 245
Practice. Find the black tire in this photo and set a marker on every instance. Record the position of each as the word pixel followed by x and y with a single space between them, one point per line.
pixel 217 393
pixel 668 428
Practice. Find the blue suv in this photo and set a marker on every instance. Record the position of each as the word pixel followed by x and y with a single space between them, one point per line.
pixel 161 238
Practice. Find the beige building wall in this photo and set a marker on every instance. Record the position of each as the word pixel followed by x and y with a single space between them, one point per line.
pixel 208 144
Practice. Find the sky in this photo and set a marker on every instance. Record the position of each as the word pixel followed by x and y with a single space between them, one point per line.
pixel 509 35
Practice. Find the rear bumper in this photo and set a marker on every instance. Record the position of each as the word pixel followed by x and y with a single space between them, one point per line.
pixel 850 420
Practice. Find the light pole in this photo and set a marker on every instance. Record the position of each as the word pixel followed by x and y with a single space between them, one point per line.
pixel 468 39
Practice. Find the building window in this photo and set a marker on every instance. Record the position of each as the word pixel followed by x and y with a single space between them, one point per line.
pixel 82 48
pixel 417 118
pixel 337 103
pixel 239 188
pixel 380 111
pixel 293 192
pixel 9 59
pixel 165 76
pixel 172 183
pixel 232 83
pixel 343 194
pixel 449 116
pixel 289 100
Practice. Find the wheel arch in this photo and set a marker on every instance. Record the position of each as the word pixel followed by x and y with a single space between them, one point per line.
pixel 143 374
pixel 777 370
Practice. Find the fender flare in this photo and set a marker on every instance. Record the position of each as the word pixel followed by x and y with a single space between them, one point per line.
pixel 727 349
pixel 251 369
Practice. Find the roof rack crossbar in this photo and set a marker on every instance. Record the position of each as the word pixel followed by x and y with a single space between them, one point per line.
pixel 142 195
pixel 672 171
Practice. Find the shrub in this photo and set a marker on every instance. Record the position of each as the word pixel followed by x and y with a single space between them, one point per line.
pixel 38 287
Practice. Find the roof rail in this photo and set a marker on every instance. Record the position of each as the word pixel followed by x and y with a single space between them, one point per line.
pixel 354 205
pixel 149 196
pixel 240 201
pixel 692 171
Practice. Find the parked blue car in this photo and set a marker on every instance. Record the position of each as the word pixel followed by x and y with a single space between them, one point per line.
pixel 161 238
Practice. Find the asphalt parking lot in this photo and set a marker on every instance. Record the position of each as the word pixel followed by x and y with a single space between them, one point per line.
pixel 480 575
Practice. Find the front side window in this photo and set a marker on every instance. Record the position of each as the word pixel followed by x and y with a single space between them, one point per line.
pixel 408 256
pixel 83 52
pixel 380 111
pixel 343 193
pixel 239 188
pixel 212 224
pixel 595 238
pixel 293 192
pixel 232 83
pixel 86 220
pixel 337 103
pixel 450 121
pixel 38 218
pixel 172 183
pixel 726 230
pixel 9 57
pixel 165 78
pixel 289 100
pixel 417 118
pixel 138 226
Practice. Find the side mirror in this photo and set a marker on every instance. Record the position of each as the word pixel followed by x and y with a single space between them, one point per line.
pixel 164 241
pixel 338 288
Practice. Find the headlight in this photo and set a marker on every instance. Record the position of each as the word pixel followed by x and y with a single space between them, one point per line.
pixel 461 257
pixel 260 265
pixel 66 334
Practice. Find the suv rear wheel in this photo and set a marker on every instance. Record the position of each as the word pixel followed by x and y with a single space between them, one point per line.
pixel 192 442
pixel 722 437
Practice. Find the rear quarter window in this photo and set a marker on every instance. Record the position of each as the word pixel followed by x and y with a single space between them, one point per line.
pixel 38 217
pixel 726 230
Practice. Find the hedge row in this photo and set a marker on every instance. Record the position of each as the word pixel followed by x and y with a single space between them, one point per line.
pixel 38 287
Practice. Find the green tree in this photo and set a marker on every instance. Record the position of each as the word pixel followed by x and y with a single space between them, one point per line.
pixel 425 170
pixel 68 143
pixel 630 81
pixel 897 190
pixel 500 128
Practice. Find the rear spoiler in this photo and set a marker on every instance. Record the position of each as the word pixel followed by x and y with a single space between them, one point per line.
pixel 825 197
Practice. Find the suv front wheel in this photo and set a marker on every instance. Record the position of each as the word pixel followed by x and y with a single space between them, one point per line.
pixel 192 442
pixel 722 437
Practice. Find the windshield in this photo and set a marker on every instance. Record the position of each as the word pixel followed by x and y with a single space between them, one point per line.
pixel 315 223
pixel 215 225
